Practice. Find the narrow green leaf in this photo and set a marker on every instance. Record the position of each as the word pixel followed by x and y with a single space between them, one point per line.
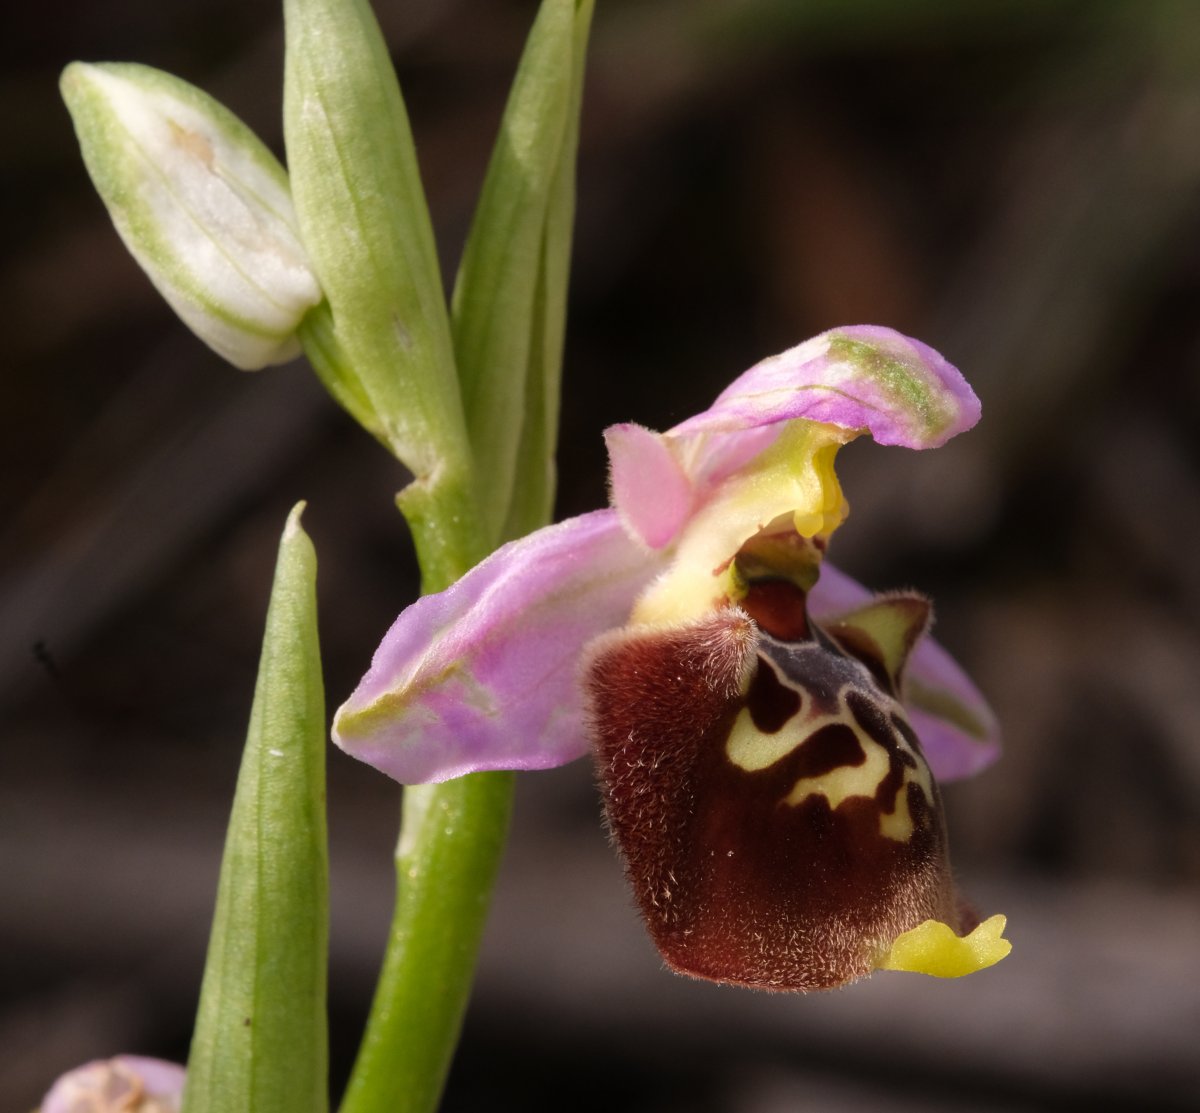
pixel 366 227
pixel 532 502
pixel 260 1042
pixel 510 296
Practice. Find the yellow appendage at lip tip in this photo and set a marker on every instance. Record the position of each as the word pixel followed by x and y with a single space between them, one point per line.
pixel 932 948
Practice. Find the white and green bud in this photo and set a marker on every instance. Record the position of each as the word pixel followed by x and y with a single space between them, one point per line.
pixel 201 203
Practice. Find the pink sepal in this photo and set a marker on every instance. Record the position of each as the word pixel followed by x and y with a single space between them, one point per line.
pixel 483 675
pixel 861 377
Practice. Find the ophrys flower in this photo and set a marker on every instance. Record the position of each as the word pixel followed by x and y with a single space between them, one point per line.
pixel 767 735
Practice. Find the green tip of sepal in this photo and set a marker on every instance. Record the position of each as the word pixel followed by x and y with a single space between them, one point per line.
pixel 260 1040
pixel 201 204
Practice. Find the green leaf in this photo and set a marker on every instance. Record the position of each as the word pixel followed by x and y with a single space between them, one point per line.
pixel 532 502
pixel 366 227
pixel 509 305
pixel 260 1042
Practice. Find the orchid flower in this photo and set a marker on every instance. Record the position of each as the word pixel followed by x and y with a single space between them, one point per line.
pixel 125 1084
pixel 767 734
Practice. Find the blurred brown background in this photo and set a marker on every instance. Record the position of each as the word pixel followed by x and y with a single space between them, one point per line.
pixel 1017 183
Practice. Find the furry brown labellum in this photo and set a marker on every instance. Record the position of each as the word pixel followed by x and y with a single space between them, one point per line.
pixel 779 825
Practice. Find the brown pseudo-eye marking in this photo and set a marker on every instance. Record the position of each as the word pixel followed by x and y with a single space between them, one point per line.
pixel 778 822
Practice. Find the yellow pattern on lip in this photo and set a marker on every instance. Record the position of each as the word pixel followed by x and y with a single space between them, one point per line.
pixel 847 781
pixel 838 785
pixel 753 750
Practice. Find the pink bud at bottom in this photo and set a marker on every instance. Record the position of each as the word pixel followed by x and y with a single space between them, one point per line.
pixel 125 1084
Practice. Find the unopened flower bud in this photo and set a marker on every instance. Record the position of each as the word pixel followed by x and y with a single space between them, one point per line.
pixel 201 203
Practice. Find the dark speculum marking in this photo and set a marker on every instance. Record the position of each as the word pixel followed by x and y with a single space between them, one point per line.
pixel 770 702
pixel 795 865
pixel 909 735
pixel 833 746
pixel 876 723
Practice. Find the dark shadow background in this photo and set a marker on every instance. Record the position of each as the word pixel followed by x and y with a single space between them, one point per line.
pixel 1017 183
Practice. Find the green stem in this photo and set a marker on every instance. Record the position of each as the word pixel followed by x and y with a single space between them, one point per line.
pixel 452 835
pixel 402 384
pixel 451 841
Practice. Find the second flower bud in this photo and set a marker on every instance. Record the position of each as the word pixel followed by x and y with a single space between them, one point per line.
pixel 201 203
